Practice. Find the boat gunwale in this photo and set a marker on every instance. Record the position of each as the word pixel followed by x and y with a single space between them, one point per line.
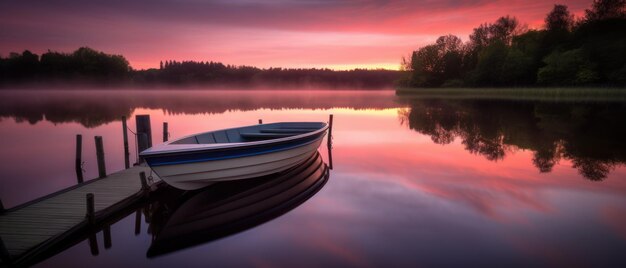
pixel 162 149
pixel 219 158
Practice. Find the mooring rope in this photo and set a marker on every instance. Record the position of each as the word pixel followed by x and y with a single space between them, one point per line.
pixel 136 145
pixel 150 178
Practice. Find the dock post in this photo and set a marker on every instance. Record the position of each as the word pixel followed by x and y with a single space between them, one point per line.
pixel 142 142
pixel 330 157
pixel 5 256
pixel 93 244
pixel 79 161
pixel 1 207
pixel 147 217
pixel 144 183
pixel 106 232
pixel 330 130
pixel 165 132
pixel 144 133
pixel 138 222
pixel 143 126
pixel 260 121
pixel 91 211
pixel 102 172
pixel 125 135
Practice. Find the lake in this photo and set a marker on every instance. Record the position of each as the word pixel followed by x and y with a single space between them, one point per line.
pixel 416 181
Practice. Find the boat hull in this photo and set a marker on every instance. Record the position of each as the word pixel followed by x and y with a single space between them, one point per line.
pixel 196 175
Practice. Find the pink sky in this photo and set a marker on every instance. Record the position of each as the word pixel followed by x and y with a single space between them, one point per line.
pixel 342 34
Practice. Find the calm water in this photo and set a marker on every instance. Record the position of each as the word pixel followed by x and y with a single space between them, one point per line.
pixel 415 182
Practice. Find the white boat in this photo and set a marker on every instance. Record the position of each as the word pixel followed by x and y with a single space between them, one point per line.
pixel 199 160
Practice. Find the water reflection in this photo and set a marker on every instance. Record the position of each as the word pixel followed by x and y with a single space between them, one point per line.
pixel 92 108
pixel 179 219
pixel 394 191
pixel 182 220
pixel 591 135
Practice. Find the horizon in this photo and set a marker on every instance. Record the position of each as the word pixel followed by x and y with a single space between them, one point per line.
pixel 276 34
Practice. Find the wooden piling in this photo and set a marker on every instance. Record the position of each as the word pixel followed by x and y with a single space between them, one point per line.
pixel 106 232
pixel 260 121
pixel 143 127
pixel 330 130
pixel 4 253
pixel 79 162
pixel 142 142
pixel 91 211
pixel 1 207
pixel 138 222
pixel 144 183
pixel 93 244
pixel 165 132
pixel 125 135
pixel 102 172
pixel 147 217
pixel 330 156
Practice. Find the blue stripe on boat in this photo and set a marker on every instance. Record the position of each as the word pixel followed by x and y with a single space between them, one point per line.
pixel 229 153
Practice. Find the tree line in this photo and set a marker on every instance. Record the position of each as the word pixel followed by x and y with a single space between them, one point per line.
pixel 83 64
pixel 86 65
pixel 569 51
pixel 186 72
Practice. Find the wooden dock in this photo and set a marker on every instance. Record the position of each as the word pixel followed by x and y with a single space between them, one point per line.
pixel 31 228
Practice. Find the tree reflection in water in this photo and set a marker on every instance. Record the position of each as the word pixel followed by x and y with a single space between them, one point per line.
pixel 589 134
pixel 93 108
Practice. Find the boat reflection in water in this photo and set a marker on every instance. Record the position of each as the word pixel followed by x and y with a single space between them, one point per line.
pixel 185 219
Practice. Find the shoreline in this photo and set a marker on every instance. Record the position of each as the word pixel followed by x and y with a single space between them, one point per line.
pixel 617 94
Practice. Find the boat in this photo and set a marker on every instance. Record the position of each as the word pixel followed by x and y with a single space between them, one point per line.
pixel 189 218
pixel 196 161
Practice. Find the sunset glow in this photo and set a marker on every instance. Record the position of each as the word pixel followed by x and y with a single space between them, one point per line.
pixel 296 34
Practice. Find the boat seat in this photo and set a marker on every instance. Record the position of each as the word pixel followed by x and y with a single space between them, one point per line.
pixel 266 136
pixel 287 130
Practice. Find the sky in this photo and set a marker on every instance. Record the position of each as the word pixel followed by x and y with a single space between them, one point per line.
pixel 335 34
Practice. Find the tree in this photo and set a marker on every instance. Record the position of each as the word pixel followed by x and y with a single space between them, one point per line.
pixel 501 32
pixel 525 57
pixel 451 53
pixel 489 66
pixel 606 9
pixel 434 64
pixel 425 65
pixel 449 43
pixel 504 29
pixel 517 68
pixel 480 37
pixel 559 19
pixel 567 68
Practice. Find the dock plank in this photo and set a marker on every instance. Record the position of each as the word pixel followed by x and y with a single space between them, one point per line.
pixel 24 228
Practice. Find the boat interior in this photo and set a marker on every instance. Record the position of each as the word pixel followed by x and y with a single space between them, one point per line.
pixel 253 133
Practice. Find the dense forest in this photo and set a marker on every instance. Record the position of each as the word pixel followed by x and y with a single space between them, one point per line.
pixel 569 51
pixel 87 65
pixel 174 72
